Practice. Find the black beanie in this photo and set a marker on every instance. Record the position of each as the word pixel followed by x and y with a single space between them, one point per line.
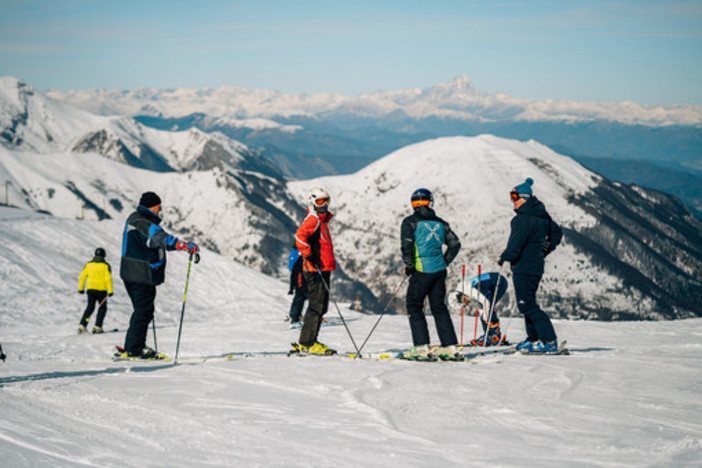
pixel 149 199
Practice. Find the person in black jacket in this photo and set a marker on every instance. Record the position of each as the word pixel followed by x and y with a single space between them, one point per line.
pixel 143 267
pixel 423 235
pixel 533 236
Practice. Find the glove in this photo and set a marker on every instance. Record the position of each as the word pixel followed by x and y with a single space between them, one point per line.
pixel 314 260
pixel 290 292
pixel 81 292
pixel 409 270
pixel 191 247
pixel 546 248
pixel 110 295
pixel 500 261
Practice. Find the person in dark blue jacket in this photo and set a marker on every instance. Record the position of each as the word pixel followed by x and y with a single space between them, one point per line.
pixel 143 267
pixel 533 236
pixel 423 236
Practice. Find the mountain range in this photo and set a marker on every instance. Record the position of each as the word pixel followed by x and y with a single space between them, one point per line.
pixel 629 252
pixel 314 135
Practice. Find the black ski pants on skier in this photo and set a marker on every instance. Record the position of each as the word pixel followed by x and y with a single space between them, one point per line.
pixel 318 298
pixel 95 297
pixel 538 324
pixel 143 297
pixel 432 285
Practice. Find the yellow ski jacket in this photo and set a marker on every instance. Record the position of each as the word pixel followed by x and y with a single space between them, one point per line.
pixel 98 275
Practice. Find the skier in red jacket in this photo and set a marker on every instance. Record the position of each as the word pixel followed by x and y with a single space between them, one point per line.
pixel 314 242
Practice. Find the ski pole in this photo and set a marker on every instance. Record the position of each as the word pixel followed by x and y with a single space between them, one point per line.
pixel 381 316
pixel 326 286
pixel 463 284
pixel 509 319
pixel 153 326
pixel 185 296
pixel 492 305
pixel 475 329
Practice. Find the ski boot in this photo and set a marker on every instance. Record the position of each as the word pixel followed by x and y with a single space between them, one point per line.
pixel 98 330
pixel 146 353
pixel 448 353
pixel 82 329
pixel 494 336
pixel 321 349
pixel 539 347
pixel 419 353
pixel 527 344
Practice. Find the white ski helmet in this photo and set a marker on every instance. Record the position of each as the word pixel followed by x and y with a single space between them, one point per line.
pixel 318 198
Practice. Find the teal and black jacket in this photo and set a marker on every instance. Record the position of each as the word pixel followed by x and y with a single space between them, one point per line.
pixel 144 246
pixel 423 236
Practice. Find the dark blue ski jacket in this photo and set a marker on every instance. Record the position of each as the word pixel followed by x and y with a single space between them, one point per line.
pixel 144 246
pixel 533 236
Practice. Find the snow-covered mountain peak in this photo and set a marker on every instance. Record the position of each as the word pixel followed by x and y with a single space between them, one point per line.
pixel 460 86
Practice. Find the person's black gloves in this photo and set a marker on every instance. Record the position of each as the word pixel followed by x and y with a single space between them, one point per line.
pixel 546 248
pixel 290 292
pixel 110 295
pixel 81 292
pixel 409 270
pixel 500 261
pixel 314 260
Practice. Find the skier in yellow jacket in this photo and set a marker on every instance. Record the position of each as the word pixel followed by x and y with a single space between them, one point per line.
pixel 99 285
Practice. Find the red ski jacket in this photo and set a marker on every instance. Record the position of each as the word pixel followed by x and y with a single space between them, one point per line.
pixel 314 242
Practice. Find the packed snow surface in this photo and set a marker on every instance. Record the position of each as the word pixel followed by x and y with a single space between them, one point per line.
pixel 627 396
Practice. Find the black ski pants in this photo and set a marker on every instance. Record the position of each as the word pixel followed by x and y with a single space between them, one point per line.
pixel 538 325
pixel 95 297
pixel 318 297
pixel 432 285
pixel 298 303
pixel 143 297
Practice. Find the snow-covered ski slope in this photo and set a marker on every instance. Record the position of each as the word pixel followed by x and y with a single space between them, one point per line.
pixel 627 396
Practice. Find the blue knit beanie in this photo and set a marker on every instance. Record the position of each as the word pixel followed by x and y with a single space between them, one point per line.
pixel 524 189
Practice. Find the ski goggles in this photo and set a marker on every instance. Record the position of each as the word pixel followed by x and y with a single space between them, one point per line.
pixel 416 203
pixel 322 201
pixel 514 196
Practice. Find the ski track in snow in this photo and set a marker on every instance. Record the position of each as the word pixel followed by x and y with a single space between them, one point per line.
pixel 627 396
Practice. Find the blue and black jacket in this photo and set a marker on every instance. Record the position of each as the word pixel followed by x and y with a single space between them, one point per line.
pixel 533 236
pixel 423 236
pixel 144 246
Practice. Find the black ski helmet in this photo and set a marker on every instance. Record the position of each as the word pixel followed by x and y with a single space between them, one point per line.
pixel 100 252
pixel 422 197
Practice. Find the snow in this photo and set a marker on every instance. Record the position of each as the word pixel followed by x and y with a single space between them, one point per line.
pixel 627 396
pixel 45 126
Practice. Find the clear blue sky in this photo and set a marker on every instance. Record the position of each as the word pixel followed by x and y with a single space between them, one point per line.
pixel 647 51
